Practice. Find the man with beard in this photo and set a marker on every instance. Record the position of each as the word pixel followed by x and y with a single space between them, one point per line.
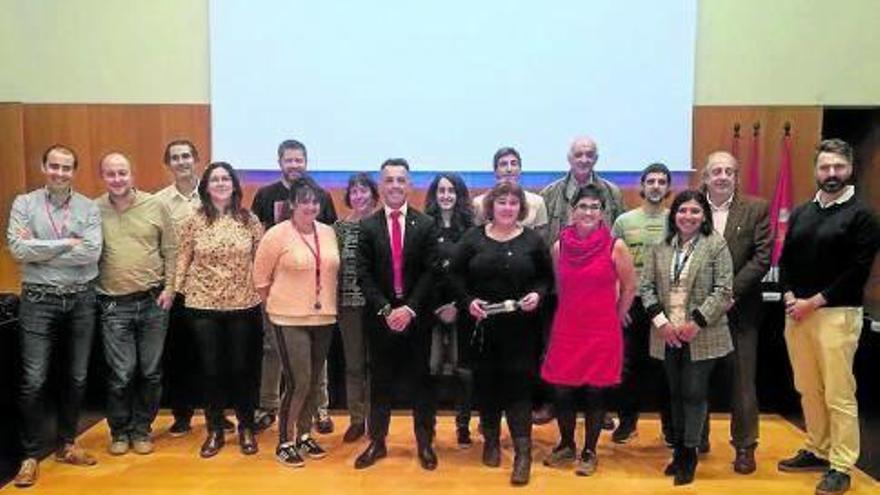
pixel 272 205
pixel 744 222
pixel 640 228
pixel 826 259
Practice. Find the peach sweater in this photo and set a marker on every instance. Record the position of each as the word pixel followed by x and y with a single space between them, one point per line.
pixel 285 264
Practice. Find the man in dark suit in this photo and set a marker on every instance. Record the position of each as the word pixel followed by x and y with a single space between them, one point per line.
pixel 744 222
pixel 396 256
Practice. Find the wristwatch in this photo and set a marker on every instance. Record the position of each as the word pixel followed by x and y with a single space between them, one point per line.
pixel 385 311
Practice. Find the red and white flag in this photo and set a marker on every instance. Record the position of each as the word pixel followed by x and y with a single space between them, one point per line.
pixel 780 208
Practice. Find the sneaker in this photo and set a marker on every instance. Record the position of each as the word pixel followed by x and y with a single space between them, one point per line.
pixel 180 428
pixel 28 473
pixel 118 446
pixel 263 420
pixel 560 456
pixel 803 461
pixel 833 482
pixel 463 438
pixel 75 456
pixel 287 454
pixel 308 446
pixel 608 422
pixel 324 425
pixel 142 446
pixel 587 463
pixel 625 433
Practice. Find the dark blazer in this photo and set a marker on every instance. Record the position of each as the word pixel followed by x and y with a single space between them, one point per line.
pixel 748 237
pixel 375 272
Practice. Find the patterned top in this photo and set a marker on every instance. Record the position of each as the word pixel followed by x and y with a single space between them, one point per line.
pixel 215 262
pixel 347 234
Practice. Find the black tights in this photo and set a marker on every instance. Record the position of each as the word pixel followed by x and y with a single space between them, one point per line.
pixel 593 407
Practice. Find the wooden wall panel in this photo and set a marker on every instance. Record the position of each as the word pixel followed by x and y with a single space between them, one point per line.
pixel 713 130
pixel 12 180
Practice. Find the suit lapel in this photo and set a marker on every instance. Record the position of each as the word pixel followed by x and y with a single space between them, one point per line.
pixel 409 234
pixel 734 218
pixel 384 237
pixel 697 260
pixel 664 262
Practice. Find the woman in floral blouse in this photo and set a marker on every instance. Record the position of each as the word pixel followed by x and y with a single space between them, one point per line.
pixel 215 260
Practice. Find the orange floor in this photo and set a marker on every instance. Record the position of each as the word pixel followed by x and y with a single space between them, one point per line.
pixel 175 467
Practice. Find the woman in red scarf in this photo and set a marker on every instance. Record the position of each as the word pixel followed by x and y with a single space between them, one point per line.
pixel 596 283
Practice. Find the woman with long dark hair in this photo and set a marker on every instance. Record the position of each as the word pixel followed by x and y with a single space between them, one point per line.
pixel 448 202
pixel 686 287
pixel 217 246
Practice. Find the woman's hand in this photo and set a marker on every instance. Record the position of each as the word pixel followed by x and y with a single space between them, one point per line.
pixel 530 301
pixel 688 331
pixel 670 335
pixel 476 309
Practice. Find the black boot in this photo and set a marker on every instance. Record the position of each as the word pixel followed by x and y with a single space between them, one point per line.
pixel 522 461
pixel 687 468
pixel 673 467
pixel 491 448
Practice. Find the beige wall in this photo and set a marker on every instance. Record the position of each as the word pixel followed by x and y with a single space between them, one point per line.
pixel 749 52
pixel 104 51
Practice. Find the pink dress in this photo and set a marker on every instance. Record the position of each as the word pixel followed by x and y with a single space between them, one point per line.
pixel 586 342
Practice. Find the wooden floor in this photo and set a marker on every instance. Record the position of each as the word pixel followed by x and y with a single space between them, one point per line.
pixel 636 468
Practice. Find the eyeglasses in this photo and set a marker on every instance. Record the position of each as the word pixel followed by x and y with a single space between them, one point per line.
pixel 585 207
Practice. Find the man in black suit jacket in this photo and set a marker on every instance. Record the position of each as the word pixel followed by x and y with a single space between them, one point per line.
pixel 395 264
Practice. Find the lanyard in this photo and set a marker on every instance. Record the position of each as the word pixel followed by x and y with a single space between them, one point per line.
pixel 316 252
pixel 65 218
pixel 679 262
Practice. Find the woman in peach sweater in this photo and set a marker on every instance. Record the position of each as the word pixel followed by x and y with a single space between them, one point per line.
pixel 295 273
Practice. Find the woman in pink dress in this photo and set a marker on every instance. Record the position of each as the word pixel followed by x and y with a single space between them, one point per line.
pixel 596 283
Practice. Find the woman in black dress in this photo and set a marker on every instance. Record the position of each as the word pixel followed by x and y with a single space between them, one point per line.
pixel 448 202
pixel 501 273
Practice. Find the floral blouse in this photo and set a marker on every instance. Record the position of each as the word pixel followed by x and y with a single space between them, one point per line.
pixel 215 262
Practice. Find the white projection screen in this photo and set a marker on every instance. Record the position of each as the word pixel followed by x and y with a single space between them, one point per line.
pixel 445 83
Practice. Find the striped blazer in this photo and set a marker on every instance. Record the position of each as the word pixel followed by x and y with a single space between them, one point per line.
pixel 709 287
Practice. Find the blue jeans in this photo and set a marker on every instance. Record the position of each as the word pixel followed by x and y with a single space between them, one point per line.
pixel 133 330
pixel 48 321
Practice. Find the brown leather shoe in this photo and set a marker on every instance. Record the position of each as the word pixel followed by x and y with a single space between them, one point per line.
pixel 744 463
pixel 27 475
pixel 213 444
pixel 75 456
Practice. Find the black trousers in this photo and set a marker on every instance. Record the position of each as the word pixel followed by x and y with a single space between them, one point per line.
pixel 400 360
pixel 180 371
pixel 229 347
pixel 568 402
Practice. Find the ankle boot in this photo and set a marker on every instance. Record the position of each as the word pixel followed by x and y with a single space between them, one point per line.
pixel 687 468
pixel 675 464
pixel 522 461
pixel 491 449
pixel 213 444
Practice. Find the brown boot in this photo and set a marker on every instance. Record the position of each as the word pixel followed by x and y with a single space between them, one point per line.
pixel 744 463
pixel 27 475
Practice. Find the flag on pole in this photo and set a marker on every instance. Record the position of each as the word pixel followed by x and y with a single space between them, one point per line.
pixel 734 145
pixel 753 185
pixel 780 208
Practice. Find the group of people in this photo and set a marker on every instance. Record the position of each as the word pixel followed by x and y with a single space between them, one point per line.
pixel 503 292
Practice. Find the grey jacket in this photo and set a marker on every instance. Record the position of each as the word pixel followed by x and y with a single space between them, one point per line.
pixel 710 282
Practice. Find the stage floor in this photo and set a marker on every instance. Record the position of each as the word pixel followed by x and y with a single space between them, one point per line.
pixel 635 468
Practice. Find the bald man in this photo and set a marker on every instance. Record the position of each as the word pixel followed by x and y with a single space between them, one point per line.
pixel 744 222
pixel 134 294
pixel 582 157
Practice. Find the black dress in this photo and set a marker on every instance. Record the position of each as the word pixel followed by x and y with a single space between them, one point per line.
pixel 504 345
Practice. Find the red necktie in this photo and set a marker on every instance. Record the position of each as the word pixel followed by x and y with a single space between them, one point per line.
pixel 397 253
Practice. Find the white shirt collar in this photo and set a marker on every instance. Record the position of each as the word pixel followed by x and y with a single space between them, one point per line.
pixel 402 210
pixel 848 193
pixel 723 206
